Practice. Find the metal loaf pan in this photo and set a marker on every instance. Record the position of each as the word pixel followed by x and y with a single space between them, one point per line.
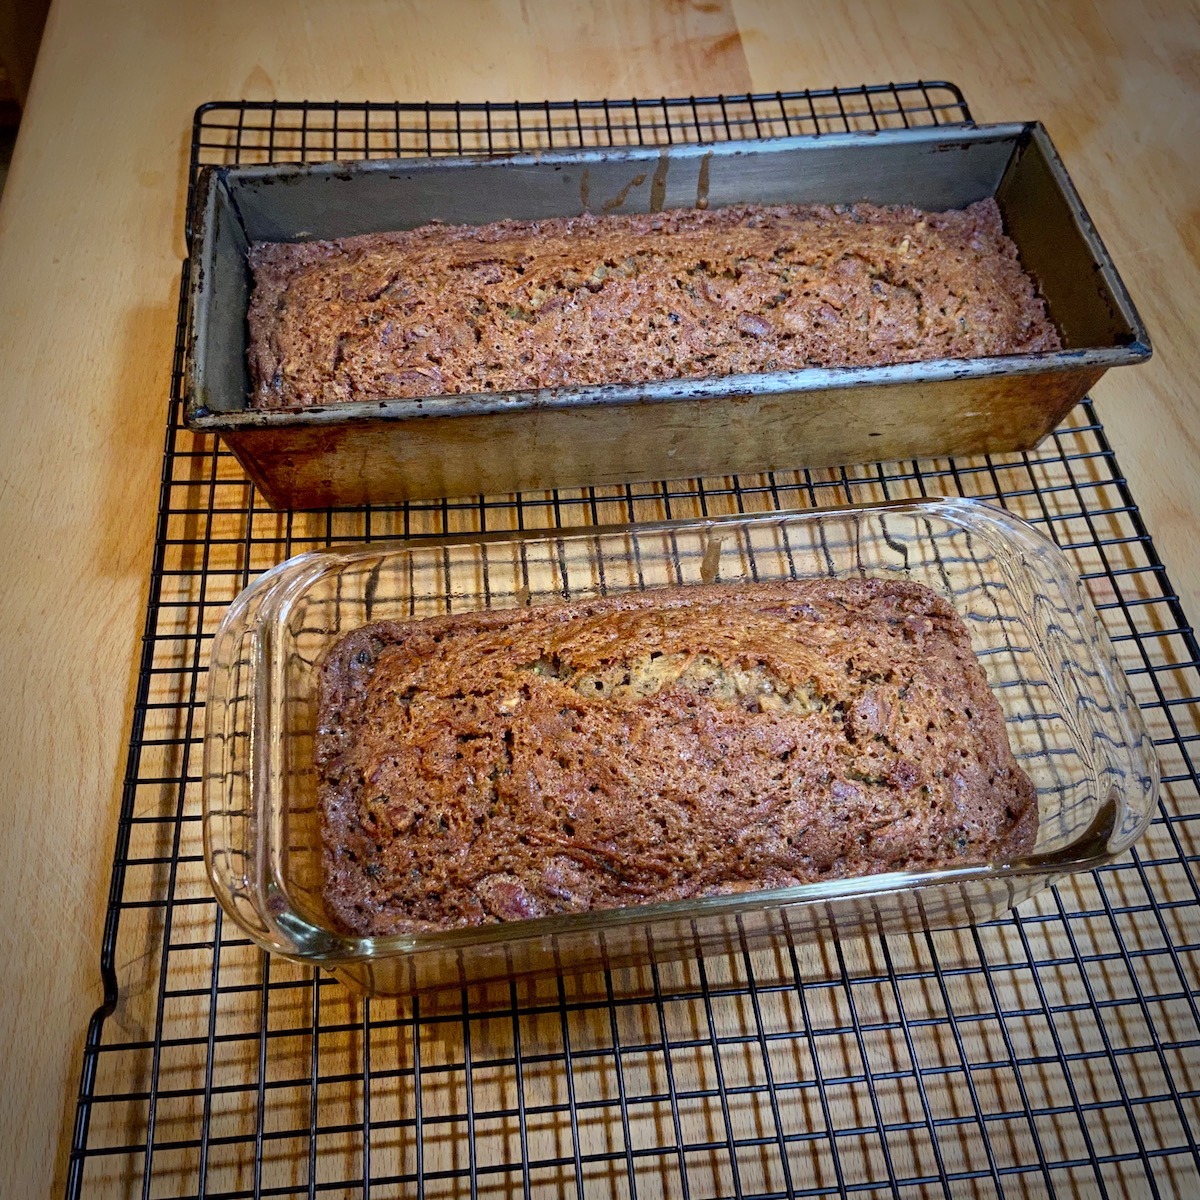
pixel 388 450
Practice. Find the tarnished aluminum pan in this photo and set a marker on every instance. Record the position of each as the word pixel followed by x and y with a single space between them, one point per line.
pixel 388 450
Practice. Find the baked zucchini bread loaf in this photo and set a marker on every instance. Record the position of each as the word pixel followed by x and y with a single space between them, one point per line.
pixel 518 305
pixel 654 746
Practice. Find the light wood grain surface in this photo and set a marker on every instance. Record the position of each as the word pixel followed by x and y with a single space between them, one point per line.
pixel 90 244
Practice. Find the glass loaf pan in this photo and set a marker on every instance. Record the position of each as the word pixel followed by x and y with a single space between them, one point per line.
pixel 1071 719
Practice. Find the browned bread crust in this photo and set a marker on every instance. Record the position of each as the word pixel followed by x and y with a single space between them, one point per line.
pixel 656 746
pixel 519 305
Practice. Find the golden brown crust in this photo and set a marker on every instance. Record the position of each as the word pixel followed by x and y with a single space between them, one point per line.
pixel 656 746
pixel 519 305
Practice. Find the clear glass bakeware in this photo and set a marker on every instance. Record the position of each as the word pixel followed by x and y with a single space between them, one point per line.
pixel 1071 719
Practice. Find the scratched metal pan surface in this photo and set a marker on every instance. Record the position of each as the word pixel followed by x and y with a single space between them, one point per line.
pixel 385 450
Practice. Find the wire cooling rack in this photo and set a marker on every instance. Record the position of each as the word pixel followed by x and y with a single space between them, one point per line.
pixel 1056 1051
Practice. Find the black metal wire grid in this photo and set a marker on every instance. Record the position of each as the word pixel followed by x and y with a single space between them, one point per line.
pixel 1056 1051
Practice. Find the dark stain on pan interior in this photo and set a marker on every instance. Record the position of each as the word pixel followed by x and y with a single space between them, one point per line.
pixel 702 181
pixel 623 194
pixel 658 185
pixel 585 188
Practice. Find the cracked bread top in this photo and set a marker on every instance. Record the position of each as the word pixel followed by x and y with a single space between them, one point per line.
pixel 656 746
pixel 519 305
